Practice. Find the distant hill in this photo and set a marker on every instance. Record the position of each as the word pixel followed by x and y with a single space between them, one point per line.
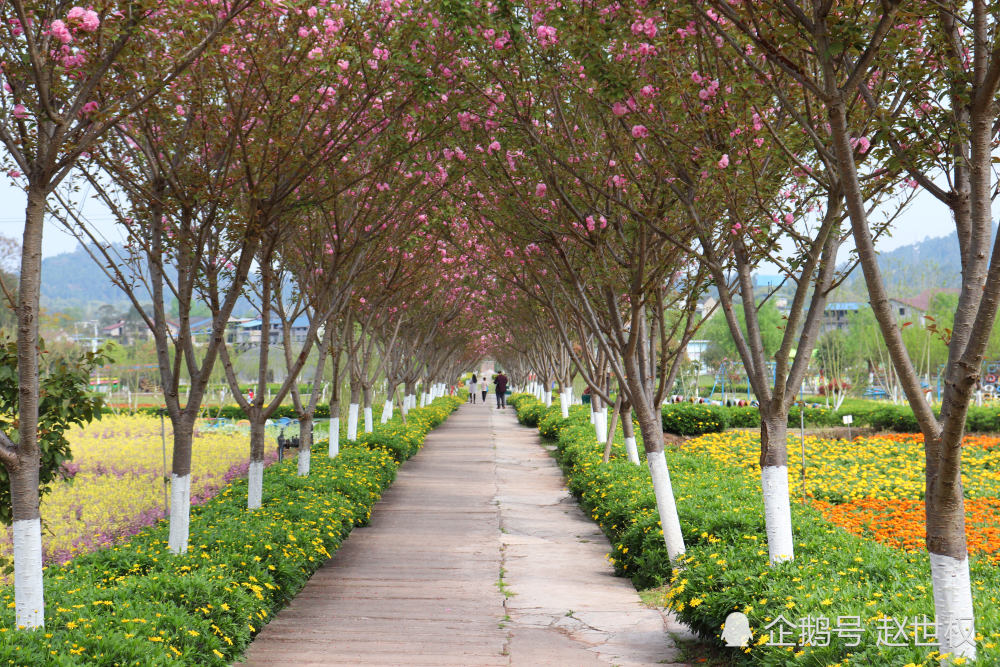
pixel 73 281
pixel 911 269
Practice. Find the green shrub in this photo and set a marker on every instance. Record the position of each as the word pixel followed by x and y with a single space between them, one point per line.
pixel 693 418
pixel 897 418
pixel 530 411
pixel 743 417
pixel 552 423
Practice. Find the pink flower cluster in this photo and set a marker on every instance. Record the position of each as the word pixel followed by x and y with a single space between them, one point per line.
pixel 87 18
pixel 546 35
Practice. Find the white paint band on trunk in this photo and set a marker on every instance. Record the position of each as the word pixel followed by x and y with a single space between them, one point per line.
pixel 633 451
pixel 334 445
pixel 777 514
pixel 180 513
pixel 387 411
pixel 255 484
pixel 29 592
pixel 601 426
pixel 369 424
pixel 352 422
pixel 548 399
pixel 954 615
pixel 303 463
pixel 564 401
pixel 666 505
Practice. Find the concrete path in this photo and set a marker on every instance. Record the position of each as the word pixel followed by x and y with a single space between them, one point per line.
pixel 476 555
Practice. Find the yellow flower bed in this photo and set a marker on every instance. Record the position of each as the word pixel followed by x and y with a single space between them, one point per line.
pixel 115 481
pixel 887 467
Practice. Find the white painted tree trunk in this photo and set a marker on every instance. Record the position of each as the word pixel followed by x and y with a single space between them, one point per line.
pixel 29 592
pixel 593 415
pixel 633 451
pixel 777 514
pixel 352 422
pixel 180 513
pixel 564 401
pixel 665 505
pixel 334 445
pixel 955 618
pixel 369 421
pixel 569 395
pixel 305 456
pixel 255 485
pixel 601 425
pixel 387 411
pixel 548 399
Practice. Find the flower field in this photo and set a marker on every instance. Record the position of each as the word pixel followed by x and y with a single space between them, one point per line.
pixel 874 487
pixel 113 487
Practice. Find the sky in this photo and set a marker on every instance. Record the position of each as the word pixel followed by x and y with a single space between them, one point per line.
pixel 924 218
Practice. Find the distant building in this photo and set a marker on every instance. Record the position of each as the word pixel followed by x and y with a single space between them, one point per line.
pixel 695 349
pixel 115 331
pixel 913 308
pixel 836 315
pixel 250 332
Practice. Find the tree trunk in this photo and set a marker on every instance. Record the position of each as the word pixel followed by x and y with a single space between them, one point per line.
pixel 651 427
pixel 945 515
pixel 629 432
pixel 255 476
pixel 408 392
pixel 387 408
pixel 774 484
pixel 600 419
pixel 612 427
pixel 180 485
pixel 334 444
pixel 305 443
pixel 352 414
pixel 29 597
pixel 369 426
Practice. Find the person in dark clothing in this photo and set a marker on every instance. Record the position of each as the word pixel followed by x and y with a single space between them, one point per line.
pixel 501 382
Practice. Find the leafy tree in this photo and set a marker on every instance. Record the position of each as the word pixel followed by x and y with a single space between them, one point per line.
pixel 721 344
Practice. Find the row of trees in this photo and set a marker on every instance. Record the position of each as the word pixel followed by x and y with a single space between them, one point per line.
pixel 630 156
pixel 288 152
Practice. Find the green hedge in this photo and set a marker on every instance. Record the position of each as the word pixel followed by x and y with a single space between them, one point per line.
pixel 694 418
pixel 530 411
pixel 138 604
pixel 698 418
pixel 726 565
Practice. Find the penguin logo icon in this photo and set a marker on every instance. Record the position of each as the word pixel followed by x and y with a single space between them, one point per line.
pixel 736 630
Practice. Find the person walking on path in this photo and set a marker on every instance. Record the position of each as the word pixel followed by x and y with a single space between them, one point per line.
pixel 484 387
pixel 472 389
pixel 501 382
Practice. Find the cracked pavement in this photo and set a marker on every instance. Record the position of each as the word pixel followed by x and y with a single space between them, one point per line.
pixel 567 606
